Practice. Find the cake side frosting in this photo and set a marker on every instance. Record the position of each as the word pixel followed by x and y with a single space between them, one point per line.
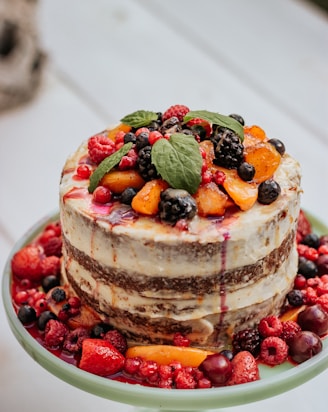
pixel 206 279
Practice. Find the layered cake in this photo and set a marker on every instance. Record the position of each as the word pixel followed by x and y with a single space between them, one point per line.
pixel 182 221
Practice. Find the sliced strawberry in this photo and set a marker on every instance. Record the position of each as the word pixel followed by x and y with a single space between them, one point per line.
pixel 26 263
pixel 244 369
pixel 303 226
pixel 100 357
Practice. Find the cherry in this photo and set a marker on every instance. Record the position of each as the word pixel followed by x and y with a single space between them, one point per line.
pixel 217 368
pixel 315 319
pixel 322 264
pixel 304 346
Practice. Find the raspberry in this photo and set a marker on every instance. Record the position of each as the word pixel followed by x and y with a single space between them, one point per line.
pixel 55 226
pixel 53 247
pixel 323 250
pixel 289 330
pixel 180 340
pixel 50 266
pixel 307 252
pixel 132 365
pixel 247 340
pixel 117 340
pixel 74 339
pixel 270 326
pixel 128 161
pixel 26 263
pixel 184 379
pixel 154 136
pixel 55 333
pixel 323 301
pixel 147 369
pixel 74 302
pixel 177 110
pixel 200 122
pixel 274 350
pixel 100 147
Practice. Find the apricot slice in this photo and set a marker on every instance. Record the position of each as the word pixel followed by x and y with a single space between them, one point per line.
pixel 119 128
pixel 147 199
pixel 210 200
pixel 119 180
pixel 166 354
pixel 265 158
pixel 244 194
pixel 255 131
pixel 291 314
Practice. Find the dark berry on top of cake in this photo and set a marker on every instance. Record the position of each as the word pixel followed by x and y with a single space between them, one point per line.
pixel 182 221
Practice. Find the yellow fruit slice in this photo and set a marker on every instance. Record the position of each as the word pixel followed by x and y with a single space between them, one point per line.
pixel 211 201
pixel 166 354
pixel 265 158
pixel 147 199
pixel 291 314
pixel 119 128
pixel 119 180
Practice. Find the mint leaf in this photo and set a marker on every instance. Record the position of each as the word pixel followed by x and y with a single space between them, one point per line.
pixel 139 118
pixel 106 165
pixel 216 118
pixel 178 161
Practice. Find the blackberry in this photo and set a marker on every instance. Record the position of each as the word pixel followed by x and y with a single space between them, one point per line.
pixel 268 191
pixel 145 167
pixel 238 118
pixel 247 339
pixel 176 204
pixel 229 151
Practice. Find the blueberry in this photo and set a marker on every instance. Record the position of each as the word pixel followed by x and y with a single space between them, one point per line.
pixel 130 137
pixel 127 195
pixel 100 330
pixel 142 140
pixel 50 282
pixel 311 240
pixel 246 171
pixel 58 295
pixel 295 298
pixel 44 319
pixel 268 191
pixel 26 314
pixel 238 118
pixel 227 353
pixel 278 144
pixel 307 268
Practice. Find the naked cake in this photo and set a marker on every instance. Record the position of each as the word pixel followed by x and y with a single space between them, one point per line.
pixel 181 221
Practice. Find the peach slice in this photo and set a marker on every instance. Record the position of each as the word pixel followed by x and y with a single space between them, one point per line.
pixel 291 314
pixel 210 200
pixel 147 199
pixel 119 128
pixel 256 132
pixel 119 180
pixel 166 354
pixel 244 194
pixel 265 158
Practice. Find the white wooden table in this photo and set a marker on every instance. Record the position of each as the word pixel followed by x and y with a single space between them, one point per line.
pixel 266 60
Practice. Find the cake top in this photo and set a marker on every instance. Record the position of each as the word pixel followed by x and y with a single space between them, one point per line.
pixel 179 164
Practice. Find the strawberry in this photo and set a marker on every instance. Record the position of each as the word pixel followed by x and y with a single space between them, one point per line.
pixel 26 263
pixel 100 357
pixel 303 226
pixel 244 369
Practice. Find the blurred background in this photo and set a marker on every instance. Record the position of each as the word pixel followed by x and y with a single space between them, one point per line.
pixel 70 68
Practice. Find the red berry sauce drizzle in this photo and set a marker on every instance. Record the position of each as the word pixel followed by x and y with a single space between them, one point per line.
pixel 55 321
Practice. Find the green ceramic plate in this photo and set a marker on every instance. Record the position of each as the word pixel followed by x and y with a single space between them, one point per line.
pixel 273 380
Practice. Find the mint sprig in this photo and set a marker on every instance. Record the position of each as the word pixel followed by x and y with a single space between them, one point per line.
pixel 216 118
pixel 139 118
pixel 106 165
pixel 178 161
